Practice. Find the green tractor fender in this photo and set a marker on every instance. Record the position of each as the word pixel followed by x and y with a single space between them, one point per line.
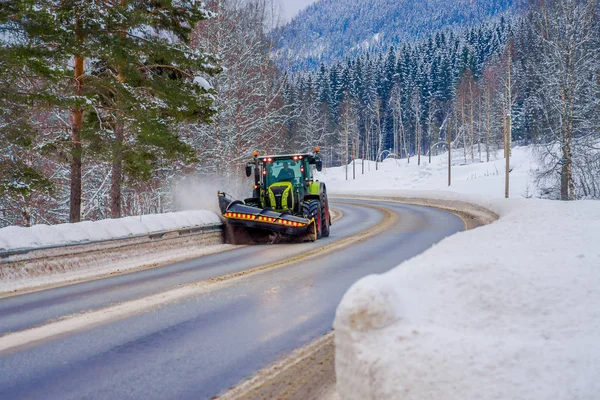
pixel 315 190
pixel 318 191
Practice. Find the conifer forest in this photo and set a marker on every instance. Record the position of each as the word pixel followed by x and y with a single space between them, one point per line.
pixel 106 106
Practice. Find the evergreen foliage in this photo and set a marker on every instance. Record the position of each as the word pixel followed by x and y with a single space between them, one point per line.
pixel 424 75
pixel 453 84
pixel 328 31
pixel 141 80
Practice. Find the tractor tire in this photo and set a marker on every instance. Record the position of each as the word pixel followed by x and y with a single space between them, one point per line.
pixel 325 220
pixel 312 209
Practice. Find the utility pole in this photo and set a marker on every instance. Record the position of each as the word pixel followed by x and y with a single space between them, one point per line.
pixel 347 156
pixel 363 162
pixel 429 149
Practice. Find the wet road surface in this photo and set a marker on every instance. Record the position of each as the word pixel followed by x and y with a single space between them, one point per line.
pixel 199 347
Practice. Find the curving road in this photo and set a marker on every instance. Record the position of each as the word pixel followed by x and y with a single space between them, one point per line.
pixel 202 345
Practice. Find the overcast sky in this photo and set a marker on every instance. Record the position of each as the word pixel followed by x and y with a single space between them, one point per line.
pixel 291 7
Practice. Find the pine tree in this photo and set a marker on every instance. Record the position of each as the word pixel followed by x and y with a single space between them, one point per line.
pixel 151 80
pixel 33 59
pixel 140 82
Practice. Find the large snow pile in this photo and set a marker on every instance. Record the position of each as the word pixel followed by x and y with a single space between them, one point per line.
pixel 14 237
pixel 477 178
pixel 506 311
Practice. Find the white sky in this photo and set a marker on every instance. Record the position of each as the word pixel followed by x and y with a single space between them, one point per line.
pixel 291 7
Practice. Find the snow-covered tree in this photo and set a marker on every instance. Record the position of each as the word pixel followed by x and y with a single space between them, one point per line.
pixel 563 69
pixel 249 92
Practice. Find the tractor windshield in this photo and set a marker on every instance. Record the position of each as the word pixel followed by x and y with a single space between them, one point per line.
pixel 284 171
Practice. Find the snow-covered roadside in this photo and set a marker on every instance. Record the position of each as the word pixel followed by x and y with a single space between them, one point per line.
pixel 507 311
pixel 91 259
pixel 15 237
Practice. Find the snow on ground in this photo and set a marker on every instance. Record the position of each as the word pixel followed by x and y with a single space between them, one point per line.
pixel 95 259
pixel 506 311
pixel 76 269
pixel 479 178
pixel 15 237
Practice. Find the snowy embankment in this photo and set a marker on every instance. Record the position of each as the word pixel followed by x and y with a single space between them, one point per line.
pixel 16 237
pixel 506 311
pixel 46 255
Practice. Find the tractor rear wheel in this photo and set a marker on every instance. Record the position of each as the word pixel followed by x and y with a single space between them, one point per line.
pixel 325 221
pixel 312 209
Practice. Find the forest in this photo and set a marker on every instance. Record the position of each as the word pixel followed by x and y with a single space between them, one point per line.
pixel 336 29
pixel 107 107
pixel 530 79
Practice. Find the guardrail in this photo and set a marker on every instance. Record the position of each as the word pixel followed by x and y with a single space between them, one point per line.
pixel 210 228
pixel 92 258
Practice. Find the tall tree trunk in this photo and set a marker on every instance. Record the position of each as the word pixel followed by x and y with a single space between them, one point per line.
pixel 488 126
pixel 26 212
pixel 117 172
pixel 449 137
pixel 508 127
pixel 419 143
pixel 117 164
pixel 462 125
pixel 504 129
pixel 405 143
pixel 471 123
pixel 347 145
pixel 567 185
pixel 418 130
pixel 567 190
pixel 570 180
pixel 479 124
pixel 76 149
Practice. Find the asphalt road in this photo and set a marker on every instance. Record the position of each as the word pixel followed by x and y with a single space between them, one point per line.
pixel 199 347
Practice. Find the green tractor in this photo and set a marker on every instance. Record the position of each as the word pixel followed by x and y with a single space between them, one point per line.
pixel 286 200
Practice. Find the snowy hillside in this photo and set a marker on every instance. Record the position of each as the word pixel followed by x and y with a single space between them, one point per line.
pixel 482 178
pixel 332 30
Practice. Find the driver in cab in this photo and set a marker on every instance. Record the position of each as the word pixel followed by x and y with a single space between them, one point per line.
pixel 286 173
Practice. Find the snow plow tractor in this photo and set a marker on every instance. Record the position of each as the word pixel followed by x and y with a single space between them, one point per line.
pixel 287 203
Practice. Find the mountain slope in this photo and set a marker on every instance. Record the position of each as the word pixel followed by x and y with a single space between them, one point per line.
pixel 332 29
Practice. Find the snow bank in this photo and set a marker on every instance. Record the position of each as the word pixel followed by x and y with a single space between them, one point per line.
pixel 14 237
pixel 507 311
pixel 510 310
